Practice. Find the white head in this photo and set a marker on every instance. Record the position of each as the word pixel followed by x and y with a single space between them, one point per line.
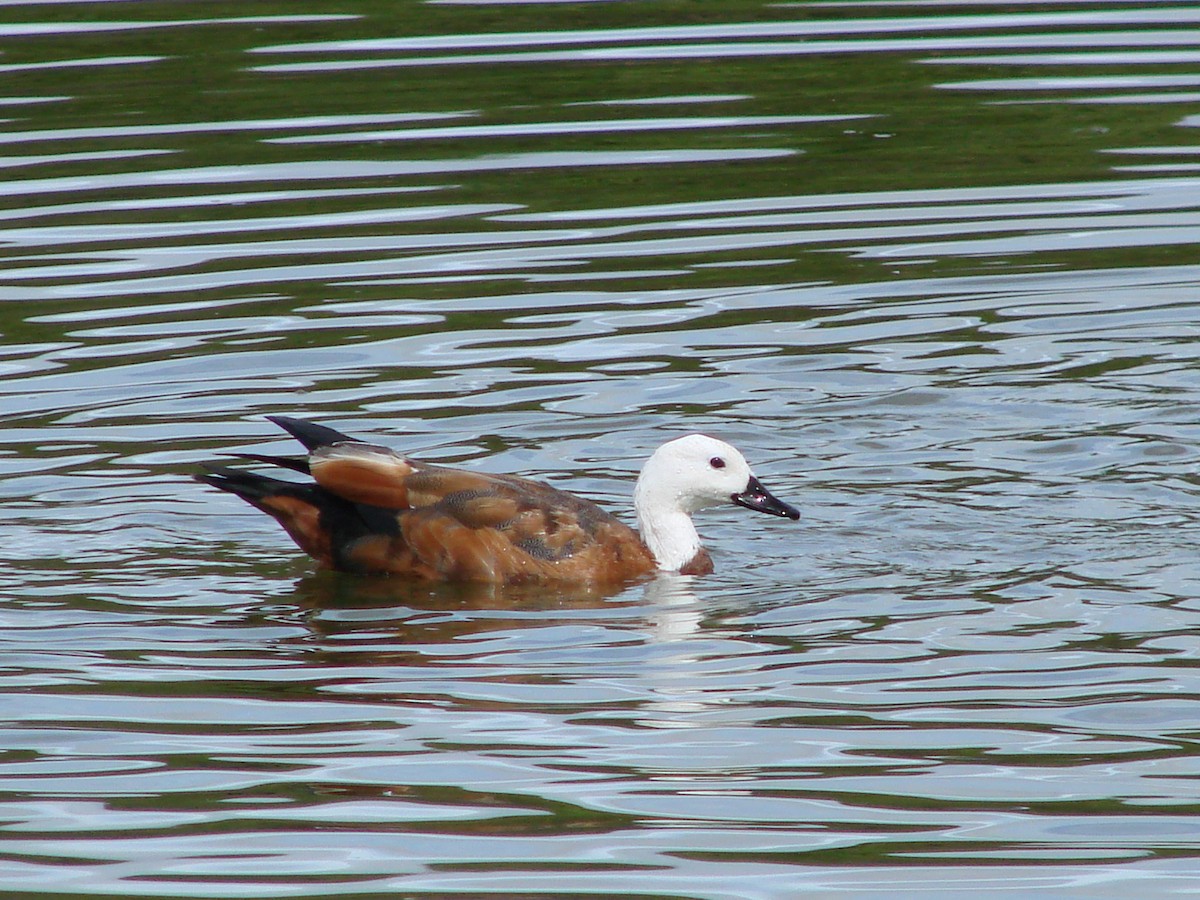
pixel 686 475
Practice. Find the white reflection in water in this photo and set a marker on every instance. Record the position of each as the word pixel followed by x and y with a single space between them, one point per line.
pixel 801 47
pixel 674 611
pixel 1085 58
pixel 274 173
pixel 61 28
pixel 90 63
pixel 741 31
pixel 606 126
pixel 182 128
pixel 1074 83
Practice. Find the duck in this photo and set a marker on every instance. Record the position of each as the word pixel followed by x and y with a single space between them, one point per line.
pixel 370 510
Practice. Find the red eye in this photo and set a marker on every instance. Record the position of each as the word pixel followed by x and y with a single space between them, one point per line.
pixel 717 463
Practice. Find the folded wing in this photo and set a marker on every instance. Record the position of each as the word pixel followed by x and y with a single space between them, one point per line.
pixel 372 510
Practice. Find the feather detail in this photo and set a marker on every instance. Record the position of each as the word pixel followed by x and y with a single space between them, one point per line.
pixel 374 511
pixel 363 473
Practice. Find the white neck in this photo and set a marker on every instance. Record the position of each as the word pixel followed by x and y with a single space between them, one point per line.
pixel 667 530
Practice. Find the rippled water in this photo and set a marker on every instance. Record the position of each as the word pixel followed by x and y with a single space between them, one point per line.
pixel 932 266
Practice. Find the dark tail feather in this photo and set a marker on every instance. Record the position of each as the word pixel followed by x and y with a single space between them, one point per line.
pixel 310 435
pixel 254 489
pixel 322 524
pixel 300 508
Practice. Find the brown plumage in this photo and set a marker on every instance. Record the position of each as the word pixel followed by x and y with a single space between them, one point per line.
pixel 371 510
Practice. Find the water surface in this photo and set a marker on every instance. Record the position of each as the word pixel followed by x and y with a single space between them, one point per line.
pixel 931 266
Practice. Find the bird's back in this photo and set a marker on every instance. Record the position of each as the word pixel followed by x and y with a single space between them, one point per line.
pixel 372 510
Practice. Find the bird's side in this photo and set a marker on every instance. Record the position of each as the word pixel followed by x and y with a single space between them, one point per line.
pixel 371 510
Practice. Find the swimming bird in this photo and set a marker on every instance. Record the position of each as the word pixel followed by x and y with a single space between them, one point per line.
pixel 371 510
